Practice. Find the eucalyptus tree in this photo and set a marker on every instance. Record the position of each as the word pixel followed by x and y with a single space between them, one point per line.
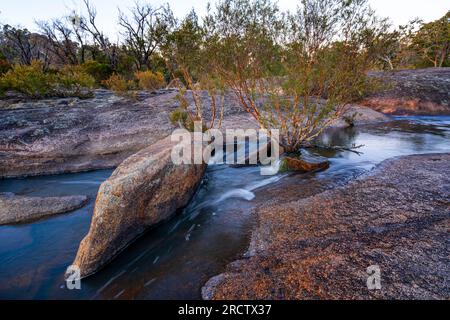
pixel 61 40
pixel 145 30
pixel 21 46
pixel 432 41
pixel 87 24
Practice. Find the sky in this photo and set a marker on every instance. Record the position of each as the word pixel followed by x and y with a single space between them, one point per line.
pixel 25 12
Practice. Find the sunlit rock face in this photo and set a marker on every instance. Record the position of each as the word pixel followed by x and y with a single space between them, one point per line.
pixel 60 135
pixel 412 92
pixel 144 190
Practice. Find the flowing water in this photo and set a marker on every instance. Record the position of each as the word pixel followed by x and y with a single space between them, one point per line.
pixel 174 259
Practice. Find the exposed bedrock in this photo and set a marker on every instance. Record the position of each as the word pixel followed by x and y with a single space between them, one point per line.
pixel 18 209
pixel 144 190
pixel 53 136
pixel 396 217
pixel 412 92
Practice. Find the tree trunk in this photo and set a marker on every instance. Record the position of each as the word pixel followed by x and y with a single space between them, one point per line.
pixel 391 66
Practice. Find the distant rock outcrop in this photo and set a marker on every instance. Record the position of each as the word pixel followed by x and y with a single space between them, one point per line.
pixel 412 92
pixel 144 190
pixel 18 209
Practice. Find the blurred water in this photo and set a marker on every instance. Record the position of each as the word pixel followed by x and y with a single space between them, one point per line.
pixel 173 260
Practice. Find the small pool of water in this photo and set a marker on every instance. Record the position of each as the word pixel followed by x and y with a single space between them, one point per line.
pixel 173 260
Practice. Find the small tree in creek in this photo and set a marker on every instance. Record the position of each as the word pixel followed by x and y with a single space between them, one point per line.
pixel 293 72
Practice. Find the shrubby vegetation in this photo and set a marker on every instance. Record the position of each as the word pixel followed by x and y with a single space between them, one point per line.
pixel 35 82
pixel 295 71
pixel 142 80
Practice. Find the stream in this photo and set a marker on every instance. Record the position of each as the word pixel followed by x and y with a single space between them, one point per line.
pixel 174 259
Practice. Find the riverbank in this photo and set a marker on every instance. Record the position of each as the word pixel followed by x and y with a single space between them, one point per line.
pixel 395 217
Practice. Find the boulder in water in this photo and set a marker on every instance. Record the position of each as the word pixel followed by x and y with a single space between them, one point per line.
pixel 144 190
pixel 297 164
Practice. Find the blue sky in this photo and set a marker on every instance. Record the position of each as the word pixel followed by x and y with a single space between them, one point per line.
pixel 25 12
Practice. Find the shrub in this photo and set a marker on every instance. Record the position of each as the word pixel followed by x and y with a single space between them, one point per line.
pixel 148 80
pixel 74 77
pixel 30 80
pixel 99 71
pixel 4 65
pixel 118 84
pixel 179 117
pixel 34 82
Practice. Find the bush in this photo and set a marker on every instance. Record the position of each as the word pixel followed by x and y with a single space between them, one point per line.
pixel 99 71
pixel 118 84
pixel 4 64
pixel 148 80
pixel 30 80
pixel 179 117
pixel 34 82
pixel 75 78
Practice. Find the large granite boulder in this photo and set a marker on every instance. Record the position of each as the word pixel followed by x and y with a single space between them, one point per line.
pixel 144 190
pixel 19 209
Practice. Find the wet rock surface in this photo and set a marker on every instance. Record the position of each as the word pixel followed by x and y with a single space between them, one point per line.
pixel 147 188
pixel 396 217
pixel 19 209
pixel 412 92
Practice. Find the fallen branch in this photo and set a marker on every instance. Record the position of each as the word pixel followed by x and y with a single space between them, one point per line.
pixel 353 148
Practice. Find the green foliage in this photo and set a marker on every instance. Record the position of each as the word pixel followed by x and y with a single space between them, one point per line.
pixel 143 80
pixel 119 84
pixel 99 71
pixel 148 80
pixel 125 66
pixel 432 42
pixel 34 82
pixel 29 80
pixel 179 117
pixel 294 73
pixel 4 64
pixel 75 77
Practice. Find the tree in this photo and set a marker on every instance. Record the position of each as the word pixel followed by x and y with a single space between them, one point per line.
pixel 185 52
pixel 298 76
pixel 432 41
pixel 145 31
pixel 383 44
pixel 20 45
pixel 89 25
pixel 80 34
pixel 59 35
